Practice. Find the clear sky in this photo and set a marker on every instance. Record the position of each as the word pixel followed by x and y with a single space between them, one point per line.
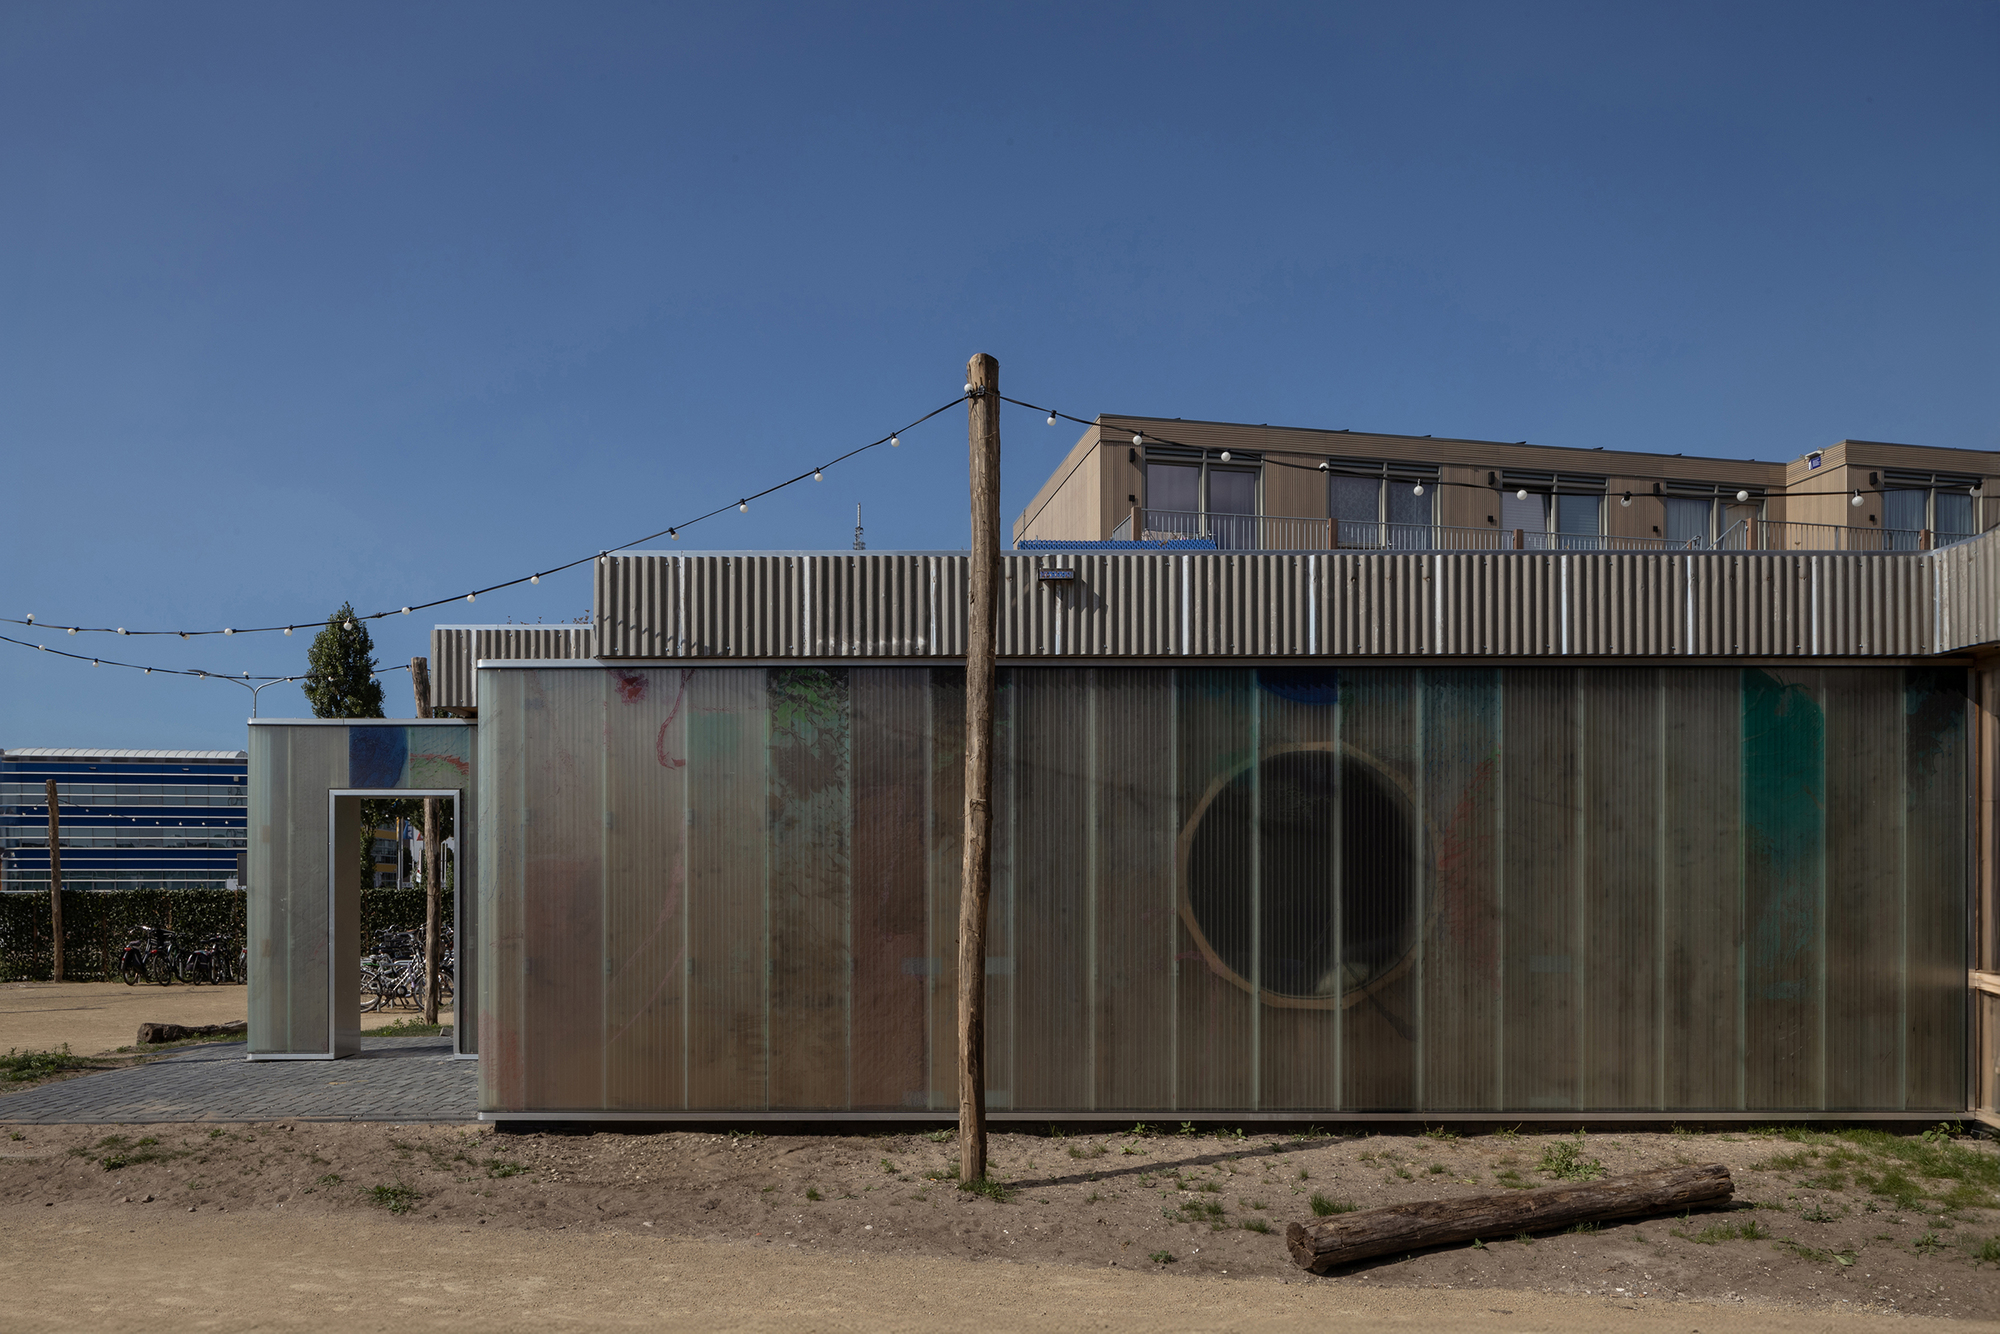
pixel 384 301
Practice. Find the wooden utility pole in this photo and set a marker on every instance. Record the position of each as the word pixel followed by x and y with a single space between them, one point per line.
pixel 420 681
pixel 982 376
pixel 55 878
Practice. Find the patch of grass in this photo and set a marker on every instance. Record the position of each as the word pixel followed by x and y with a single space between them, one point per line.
pixel 939 1136
pixel 1161 1257
pixel 1089 1151
pixel 1826 1181
pixel 1439 1132
pixel 116 1151
pixel 1506 1132
pixel 996 1191
pixel 1894 1184
pixel 1255 1204
pixel 888 1167
pixel 1187 1128
pixel 407 1028
pixel 1325 1208
pixel 1929 1243
pixel 1195 1211
pixel 500 1167
pixel 1715 1232
pixel 1818 1213
pixel 1140 1130
pixel 1584 1227
pixel 1512 1180
pixel 1438 1169
pixel 21 1066
pixel 812 1193
pixel 1405 1173
pixel 1988 1251
pixel 330 1179
pixel 1785 1162
pixel 1564 1161
pixel 1304 1175
pixel 1255 1225
pixel 1816 1254
pixel 397 1199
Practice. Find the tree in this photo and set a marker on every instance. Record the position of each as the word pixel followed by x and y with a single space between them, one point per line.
pixel 340 683
pixel 340 669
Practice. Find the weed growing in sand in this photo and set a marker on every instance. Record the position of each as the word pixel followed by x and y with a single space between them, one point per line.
pixel 1988 1252
pixel 1715 1232
pixel 116 1151
pixel 330 1179
pixel 1819 1213
pixel 1928 1244
pixel 1161 1257
pixel 1255 1204
pixel 1088 1151
pixel 1583 1228
pixel 397 1199
pixel 1194 1211
pixel 996 1191
pixel 812 1193
pixel 888 1167
pixel 1187 1128
pixel 1512 1180
pixel 1438 1169
pixel 15 1134
pixel 17 1066
pixel 938 1136
pixel 1405 1173
pixel 499 1167
pixel 1564 1161
pixel 1815 1254
pixel 1326 1208
pixel 1439 1132
pixel 1255 1225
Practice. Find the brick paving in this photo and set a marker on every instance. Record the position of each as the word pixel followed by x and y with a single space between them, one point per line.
pixel 392 1079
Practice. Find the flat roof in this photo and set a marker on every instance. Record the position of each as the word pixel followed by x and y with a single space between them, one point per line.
pixel 58 753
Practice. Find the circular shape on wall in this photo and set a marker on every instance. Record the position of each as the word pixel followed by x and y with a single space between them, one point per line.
pixel 1335 876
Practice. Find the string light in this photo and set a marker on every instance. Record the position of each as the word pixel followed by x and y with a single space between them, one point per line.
pixel 1417 490
pixel 1857 499
pixel 816 476
pixel 1522 494
pixel 1052 416
pixel 893 439
pixel 471 597
pixel 170 671
pixel 1625 501
pixel 1742 495
pixel 742 507
pixel 1225 456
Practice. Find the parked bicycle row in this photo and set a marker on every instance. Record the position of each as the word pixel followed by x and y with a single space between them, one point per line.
pixel 163 957
pixel 393 974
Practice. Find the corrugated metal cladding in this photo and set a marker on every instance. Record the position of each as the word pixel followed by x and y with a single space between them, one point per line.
pixel 1272 604
pixel 456 649
pixel 1968 577
pixel 1222 889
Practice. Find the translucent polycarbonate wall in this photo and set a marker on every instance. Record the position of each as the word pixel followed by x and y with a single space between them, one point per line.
pixel 303 908
pixel 1235 889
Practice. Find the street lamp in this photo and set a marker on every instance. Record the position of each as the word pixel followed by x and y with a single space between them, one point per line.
pixel 254 689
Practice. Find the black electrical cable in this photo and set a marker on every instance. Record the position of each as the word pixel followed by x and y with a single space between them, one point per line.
pixel 672 530
pixel 174 671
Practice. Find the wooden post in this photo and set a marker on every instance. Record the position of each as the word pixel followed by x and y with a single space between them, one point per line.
pixel 982 373
pixel 55 879
pixel 1518 535
pixel 420 682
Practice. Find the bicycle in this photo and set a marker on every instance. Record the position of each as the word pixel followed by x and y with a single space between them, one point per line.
pixel 208 963
pixel 155 958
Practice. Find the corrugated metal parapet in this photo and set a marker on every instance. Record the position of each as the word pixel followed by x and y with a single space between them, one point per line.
pixel 1968 593
pixel 457 649
pixel 1131 604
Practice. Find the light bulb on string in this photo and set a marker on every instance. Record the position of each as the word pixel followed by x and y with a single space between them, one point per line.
pixel 742 507
pixel 895 441
pixel 1052 416
pixel 534 578
pixel 406 611
pixel 471 597
pixel 1522 494
pixel 1417 490
pixel 1857 499
pixel 816 476
pixel 228 632
pixel 1742 496
pixel 31 618
pixel 1225 456
pixel 288 629
pixel 674 535
pixel 121 629
pixel 350 625
pixel 1139 439
pixel 1625 501
pixel 71 630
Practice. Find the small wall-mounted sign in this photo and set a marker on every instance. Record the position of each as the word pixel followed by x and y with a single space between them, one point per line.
pixel 1055 574
pixel 1813 461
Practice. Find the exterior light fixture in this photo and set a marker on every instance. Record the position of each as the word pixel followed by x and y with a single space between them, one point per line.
pixel 1742 496
pixel 228 631
pixel 1857 499
pixel 71 630
pixel 1522 494
pixel 742 507
pixel 406 611
pixel 1417 490
pixel 534 578
pixel 1625 501
pixel 816 476
pixel 469 597
pixel 121 629
pixel 1052 416
pixel 1225 456
pixel 1138 439
pixel 894 441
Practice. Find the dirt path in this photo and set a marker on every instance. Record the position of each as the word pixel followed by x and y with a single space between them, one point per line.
pixel 97 1017
pixel 98 1266
pixel 1128 1231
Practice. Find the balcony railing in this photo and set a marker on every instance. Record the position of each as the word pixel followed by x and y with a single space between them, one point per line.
pixel 1259 532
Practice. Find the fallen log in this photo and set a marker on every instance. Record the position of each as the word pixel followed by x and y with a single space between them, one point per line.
pixel 150 1034
pixel 1344 1238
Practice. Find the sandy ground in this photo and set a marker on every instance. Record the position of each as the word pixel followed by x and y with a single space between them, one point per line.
pixel 687 1229
pixel 211 1271
pixel 98 1017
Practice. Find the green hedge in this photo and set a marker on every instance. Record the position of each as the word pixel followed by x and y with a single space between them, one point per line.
pixel 97 923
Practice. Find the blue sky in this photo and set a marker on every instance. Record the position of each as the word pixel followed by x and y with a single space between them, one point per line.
pixel 382 302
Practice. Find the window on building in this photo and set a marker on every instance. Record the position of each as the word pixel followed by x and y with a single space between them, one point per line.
pixel 1916 502
pixel 1192 494
pixel 1689 521
pixel 1376 505
pixel 1560 511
